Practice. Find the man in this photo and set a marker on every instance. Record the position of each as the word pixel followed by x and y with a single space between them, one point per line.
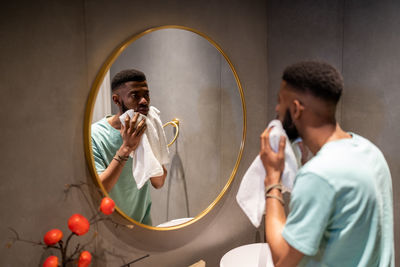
pixel 113 143
pixel 341 209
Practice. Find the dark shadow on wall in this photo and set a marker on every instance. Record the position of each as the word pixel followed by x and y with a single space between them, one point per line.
pixel 177 195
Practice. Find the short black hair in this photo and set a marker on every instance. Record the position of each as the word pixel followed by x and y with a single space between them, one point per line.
pixel 127 76
pixel 320 79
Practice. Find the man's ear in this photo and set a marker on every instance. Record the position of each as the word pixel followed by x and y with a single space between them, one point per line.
pixel 297 109
pixel 116 99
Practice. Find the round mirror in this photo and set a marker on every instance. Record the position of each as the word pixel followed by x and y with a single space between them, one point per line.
pixel 199 101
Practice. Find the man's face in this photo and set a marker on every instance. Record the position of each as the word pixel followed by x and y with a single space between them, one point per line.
pixel 135 95
pixel 283 112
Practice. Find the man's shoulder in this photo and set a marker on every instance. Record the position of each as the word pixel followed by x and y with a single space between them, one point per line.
pixel 370 147
pixel 100 131
pixel 353 156
pixel 99 124
pixel 103 134
pixel 100 128
pixel 346 148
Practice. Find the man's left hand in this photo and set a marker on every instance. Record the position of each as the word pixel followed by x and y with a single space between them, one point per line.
pixel 274 163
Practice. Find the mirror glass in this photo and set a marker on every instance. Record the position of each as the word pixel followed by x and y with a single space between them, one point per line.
pixel 189 78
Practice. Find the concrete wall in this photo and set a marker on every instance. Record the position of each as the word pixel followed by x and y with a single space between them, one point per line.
pixel 51 52
pixel 362 39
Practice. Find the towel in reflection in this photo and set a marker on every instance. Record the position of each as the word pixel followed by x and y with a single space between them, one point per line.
pixel 152 151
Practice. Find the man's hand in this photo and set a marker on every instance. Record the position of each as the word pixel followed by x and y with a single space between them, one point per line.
pixel 130 140
pixel 131 135
pixel 274 163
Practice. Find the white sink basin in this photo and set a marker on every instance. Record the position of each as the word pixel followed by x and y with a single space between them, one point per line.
pixel 174 222
pixel 252 255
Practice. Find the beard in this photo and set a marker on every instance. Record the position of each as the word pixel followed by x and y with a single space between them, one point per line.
pixel 124 108
pixel 289 127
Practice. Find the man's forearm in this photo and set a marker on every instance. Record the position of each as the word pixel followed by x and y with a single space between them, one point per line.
pixel 111 174
pixel 282 253
pixel 275 219
pixel 158 181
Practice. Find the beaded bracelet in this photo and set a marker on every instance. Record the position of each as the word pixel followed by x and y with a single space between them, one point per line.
pixel 270 187
pixel 117 159
pixel 276 197
pixel 124 158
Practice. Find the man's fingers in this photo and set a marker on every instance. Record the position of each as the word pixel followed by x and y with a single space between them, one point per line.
pixel 126 127
pixel 140 126
pixel 265 145
pixel 282 144
pixel 262 139
pixel 135 118
pixel 268 144
pixel 141 123
pixel 141 130
pixel 132 124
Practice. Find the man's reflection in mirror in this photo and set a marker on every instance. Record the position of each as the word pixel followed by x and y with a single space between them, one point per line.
pixel 113 145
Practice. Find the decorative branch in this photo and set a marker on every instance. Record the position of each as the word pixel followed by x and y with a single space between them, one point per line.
pixel 136 260
pixel 78 225
pixel 17 238
pixel 98 213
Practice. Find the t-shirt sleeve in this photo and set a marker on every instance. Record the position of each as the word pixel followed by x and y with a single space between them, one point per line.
pixel 98 159
pixel 311 206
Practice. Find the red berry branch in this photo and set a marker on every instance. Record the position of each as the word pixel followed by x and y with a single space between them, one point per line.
pixel 79 226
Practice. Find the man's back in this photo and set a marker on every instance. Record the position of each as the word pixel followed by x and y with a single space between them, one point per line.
pixel 341 211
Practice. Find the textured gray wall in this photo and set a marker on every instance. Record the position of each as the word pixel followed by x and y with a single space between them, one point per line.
pixel 51 52
pixel 362 39
pixel 301 30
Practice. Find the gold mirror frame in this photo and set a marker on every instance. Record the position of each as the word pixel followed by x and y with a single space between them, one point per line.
pixel 89 114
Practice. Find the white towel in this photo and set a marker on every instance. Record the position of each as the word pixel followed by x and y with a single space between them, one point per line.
pixel 251 194
pixel 152 151
pixel 156 135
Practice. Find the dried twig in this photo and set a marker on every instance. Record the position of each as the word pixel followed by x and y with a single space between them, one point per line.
pixel 96 217
pixel 136 260
pixel 18 238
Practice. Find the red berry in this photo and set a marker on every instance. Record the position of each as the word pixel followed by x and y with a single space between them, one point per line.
pixel 51 261
pixel 52 237
pixel 78 224
pixel 107 206
pixel 85 259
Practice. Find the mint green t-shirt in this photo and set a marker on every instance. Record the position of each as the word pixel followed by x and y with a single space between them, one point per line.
pixel 135 202
pixel 341 207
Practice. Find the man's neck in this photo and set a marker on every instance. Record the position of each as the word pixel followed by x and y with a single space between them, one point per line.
pixel 316 137
pixel 114 121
